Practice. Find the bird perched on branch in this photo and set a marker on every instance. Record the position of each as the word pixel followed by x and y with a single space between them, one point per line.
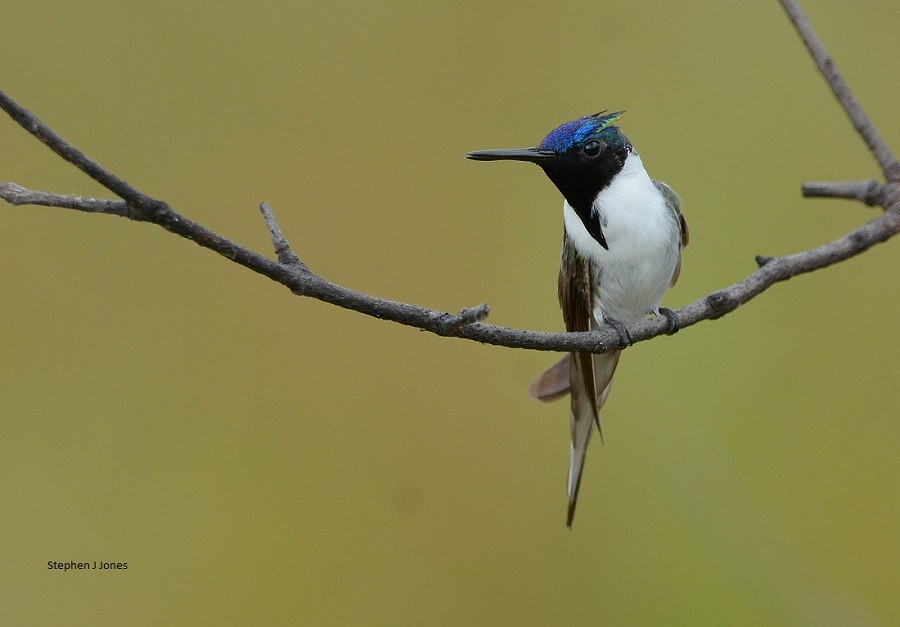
pixel 622 241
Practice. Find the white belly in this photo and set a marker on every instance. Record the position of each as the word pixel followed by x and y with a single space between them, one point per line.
pixel 644 243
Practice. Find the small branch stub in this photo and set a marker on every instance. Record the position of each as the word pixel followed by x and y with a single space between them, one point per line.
pixel 467 316
pixel 870 192
pixel 283 250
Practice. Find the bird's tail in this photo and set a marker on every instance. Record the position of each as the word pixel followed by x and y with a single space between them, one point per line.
pixel 553 383
pixel 567 376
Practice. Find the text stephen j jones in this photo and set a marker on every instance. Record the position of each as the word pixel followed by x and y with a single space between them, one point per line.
pixel 51 565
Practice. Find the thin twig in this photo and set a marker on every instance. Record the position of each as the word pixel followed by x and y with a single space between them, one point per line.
pixel 18 195
pixel 77 158
pixel 869 192
pixel 861 122
pixel 279 242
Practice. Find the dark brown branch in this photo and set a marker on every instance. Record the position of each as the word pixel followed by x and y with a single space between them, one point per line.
pixel 467 324
pixel 861 122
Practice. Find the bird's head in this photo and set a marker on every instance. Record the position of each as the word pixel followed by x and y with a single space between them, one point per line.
pixel 581 157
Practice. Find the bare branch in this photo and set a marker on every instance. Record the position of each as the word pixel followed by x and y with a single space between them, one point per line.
pixel 292 273
pixel 861 122
pixel 870 192
pixel 467 323
pixel 18 195
pixel 74 156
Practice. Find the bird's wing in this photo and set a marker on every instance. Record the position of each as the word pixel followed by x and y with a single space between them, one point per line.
pixel 575 298
pixel 673 204
pixel 589 375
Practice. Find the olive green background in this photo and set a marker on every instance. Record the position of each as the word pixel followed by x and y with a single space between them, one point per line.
pixel 256 457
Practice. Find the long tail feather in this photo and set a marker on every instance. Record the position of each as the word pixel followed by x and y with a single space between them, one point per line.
pixel 584 416
pixel 582 423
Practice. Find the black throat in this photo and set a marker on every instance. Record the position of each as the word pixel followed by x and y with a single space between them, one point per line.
pixel 580 183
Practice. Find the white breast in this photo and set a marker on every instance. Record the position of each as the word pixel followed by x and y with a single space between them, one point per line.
pixel 644 242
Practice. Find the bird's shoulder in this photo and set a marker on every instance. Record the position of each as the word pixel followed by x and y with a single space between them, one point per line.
pixel 673 204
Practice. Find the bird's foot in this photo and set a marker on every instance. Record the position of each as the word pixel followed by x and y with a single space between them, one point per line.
pixel 619 328
pixel 672 317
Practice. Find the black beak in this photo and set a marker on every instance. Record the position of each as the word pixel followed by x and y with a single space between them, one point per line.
pixel 532 155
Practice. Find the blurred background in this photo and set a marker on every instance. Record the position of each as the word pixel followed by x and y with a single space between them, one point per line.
pixel 258 457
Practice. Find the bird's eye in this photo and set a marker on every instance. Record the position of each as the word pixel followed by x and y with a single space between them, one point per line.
pixel 592 148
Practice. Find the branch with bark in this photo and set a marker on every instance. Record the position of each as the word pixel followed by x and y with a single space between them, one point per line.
pixel 291 272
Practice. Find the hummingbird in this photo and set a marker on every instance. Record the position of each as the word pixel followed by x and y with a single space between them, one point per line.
pixel 622 240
